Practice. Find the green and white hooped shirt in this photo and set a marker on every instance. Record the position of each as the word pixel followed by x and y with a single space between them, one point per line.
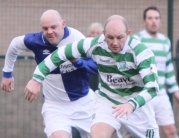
pixel 128 76
pixel 161 48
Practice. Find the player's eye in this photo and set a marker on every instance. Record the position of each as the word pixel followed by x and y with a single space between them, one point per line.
pixel 120 37
pixel 110 37
pixel 53 27
pixel 45 29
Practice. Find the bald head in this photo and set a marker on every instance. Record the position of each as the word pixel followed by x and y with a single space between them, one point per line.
pixel 52 26
pixel 118 19
pixel 50 14
pixel 116 33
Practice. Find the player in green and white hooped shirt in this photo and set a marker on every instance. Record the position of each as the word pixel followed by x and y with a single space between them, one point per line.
pixel 160 45
pixel 128 80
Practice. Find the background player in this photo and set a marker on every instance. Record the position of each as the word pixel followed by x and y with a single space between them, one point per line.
pixel 161 47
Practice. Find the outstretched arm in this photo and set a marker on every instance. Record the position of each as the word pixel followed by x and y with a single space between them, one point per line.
pixel 71 51
pixel 15 48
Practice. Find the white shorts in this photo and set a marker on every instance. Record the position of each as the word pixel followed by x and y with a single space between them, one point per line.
pixel 141 123
pixel 64 115
pixel 163 110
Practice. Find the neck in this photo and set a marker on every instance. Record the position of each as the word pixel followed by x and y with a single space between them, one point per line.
pixel 153 34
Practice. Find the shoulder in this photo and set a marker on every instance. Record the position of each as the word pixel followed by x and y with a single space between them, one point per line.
pixel 134 42
pixel 97 40
pixel 18 38
pixel 163 37
pixel 33 36
pixel 74 32
pixel 140 34
pixel 136 46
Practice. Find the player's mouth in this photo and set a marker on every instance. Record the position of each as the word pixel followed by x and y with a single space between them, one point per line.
pixel 116 49
pixel 154 26
pixel 51 37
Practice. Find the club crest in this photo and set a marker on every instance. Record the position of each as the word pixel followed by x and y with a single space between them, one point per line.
pixel 122 66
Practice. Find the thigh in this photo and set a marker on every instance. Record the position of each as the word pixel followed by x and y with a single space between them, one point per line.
pixel 103 115
pixel 142 123
pixel 163 110
pixel 54 120
pixel 60 134
pixel 102 130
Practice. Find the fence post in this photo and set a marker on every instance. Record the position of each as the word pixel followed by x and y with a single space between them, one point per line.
pixel 170 34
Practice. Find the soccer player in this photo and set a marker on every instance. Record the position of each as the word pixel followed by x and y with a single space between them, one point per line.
pixel 68 100
pixel 128 79
pixel 95 29
pixel 160 45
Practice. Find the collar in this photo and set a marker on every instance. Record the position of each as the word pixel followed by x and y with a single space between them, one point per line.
pixel 149 36
pixel 66 32
pixel 123 51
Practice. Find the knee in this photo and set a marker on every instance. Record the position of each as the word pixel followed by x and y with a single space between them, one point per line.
pixel 127 136
pixel 170 131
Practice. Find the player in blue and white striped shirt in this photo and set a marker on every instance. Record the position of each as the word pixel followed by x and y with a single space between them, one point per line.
pixel 67 95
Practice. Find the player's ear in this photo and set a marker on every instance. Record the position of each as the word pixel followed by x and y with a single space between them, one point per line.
pixel 144 23
pixel 63 23
pixel 128 32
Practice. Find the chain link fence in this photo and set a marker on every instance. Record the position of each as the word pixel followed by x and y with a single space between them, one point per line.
pixel 21 119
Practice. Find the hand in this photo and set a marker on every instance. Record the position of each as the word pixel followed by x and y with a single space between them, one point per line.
pixel 176 95
pixel 74 60
pixel 122 109
pixel 7 84
pixel 32 90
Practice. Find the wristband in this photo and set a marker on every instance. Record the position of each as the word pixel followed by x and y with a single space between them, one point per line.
pixel 131 102
pixel 7 74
